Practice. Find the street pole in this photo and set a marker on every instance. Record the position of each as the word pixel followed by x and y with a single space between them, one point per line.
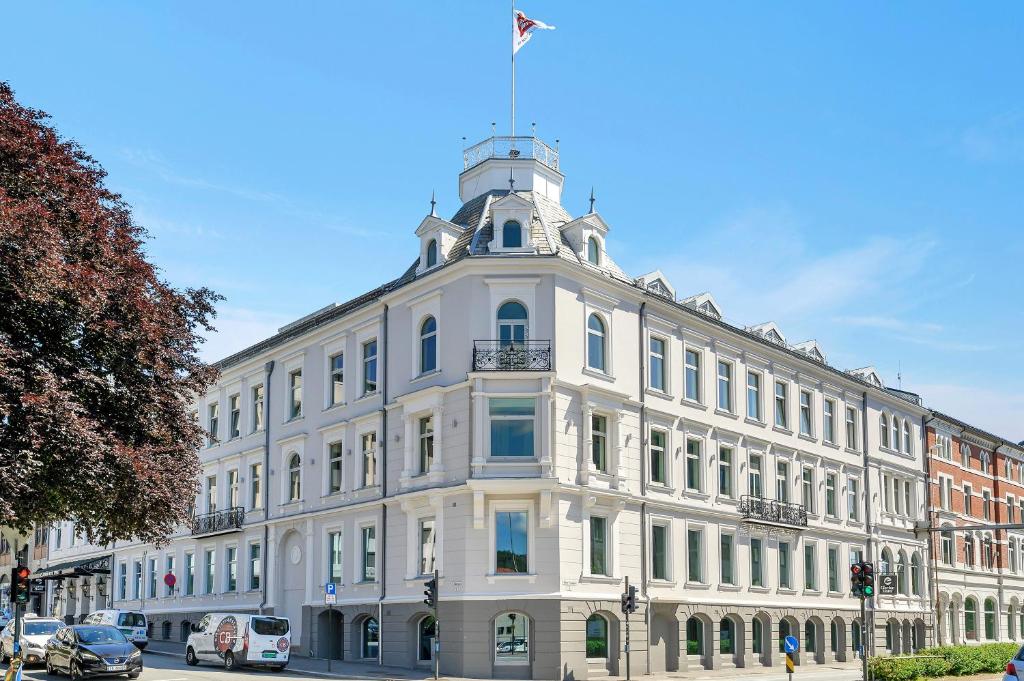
pixel 16 643
pixel 330 624
pixel 863 640
pixel 627 633
pixel 437 626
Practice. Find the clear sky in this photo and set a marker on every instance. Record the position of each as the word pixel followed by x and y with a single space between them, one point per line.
pixel 853 171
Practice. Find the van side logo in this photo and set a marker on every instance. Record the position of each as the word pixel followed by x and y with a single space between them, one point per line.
pixel 225 636
pixel 282 644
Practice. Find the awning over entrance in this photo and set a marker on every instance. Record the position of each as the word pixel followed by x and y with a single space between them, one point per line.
pixel 97 565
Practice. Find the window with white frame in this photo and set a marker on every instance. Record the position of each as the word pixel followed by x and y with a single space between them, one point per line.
pixel 724 386
pixel 231 569
pixel 755 482
pixel 596 343
pixel 426 443
pixel 831 502
pixel 426 545
pixel 593 251
pixel 986 505
pixel 756 562
pixel 209 570
pixel 883 426
pixel 190 573
pixel 369 450
pixel 234 415
pixel 908 442
pixel 695 555
pixel 948 551
pixel 810 567
pixel 852 498
pixel 851 428
pixel 335 462
pixel 337 378
pixel 598 545
pixel 431 253
pixel 257 407
pixel 785 566
pixel 833 569
pixel 428 345
pixel 294 477
pixel 965 455
pixel 512 539
pixel 659 551
pixel 945 493
pixel 807 488
pixel 512 426
pixel 295 393
pixel 599 442
pixel 829 421
pixel 895 433
pixel 726 550
pixel 659 472
pixel 256 486
pixel 968 494
pixel 725 457
pixel 211 493
pixel 781 415
pixel 693 464
pixel 782 481
pixel 233 488
pixel 368 536
pixel 692 377
pixel 511 234
pixel 370 367
pixel 657 368
pixel 908 501
pixel 213 423
pixel 168 570
pixel 255 566
pixel 806 424
pixel 754 395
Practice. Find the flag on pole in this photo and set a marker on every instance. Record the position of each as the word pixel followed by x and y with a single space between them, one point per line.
pixel 522 29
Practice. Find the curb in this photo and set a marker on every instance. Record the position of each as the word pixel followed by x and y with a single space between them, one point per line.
pixel 304 672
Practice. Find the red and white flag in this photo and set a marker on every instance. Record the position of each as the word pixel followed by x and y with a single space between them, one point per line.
pixel 522 29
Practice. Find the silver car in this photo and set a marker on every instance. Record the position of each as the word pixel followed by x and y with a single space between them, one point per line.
pixel 35 632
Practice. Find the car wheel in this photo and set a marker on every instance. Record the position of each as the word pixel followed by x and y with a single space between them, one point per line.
pixel 190 657
pixel 229 660
pixel 134 675
pixel 74 671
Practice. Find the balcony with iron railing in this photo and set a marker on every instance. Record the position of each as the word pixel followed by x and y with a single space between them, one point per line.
pixel 772 512
pixel 493 355
pixel 505 147
pixel 218 522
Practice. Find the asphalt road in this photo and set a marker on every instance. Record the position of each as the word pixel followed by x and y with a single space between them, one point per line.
pixel 166 668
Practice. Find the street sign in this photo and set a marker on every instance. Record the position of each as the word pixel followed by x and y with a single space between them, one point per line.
pixel 330 593
pixel 887 584
pixel 791 644
pixel 37 586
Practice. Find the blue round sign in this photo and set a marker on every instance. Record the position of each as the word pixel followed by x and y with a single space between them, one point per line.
pixel 791 644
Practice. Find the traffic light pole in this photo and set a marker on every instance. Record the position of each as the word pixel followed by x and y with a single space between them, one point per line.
pixel 627 633
pixel 437 627
pixel 863 639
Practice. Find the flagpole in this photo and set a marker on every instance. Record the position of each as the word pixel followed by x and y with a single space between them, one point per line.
pixel 513 126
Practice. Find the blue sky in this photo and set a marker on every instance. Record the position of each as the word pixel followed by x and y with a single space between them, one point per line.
pixel 853 171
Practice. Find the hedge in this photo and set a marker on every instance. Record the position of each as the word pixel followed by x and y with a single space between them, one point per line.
pixel 989 658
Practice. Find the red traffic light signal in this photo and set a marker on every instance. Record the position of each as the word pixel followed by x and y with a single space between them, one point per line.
pixel 868 568
pixel 855 569
pixel 19 583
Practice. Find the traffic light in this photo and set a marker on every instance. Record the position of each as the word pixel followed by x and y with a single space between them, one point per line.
pixel 629 600
pixel 857 580
pixel 430 591
pixel 868 572
pixel 19 584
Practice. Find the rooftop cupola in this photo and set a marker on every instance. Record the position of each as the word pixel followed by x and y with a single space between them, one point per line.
pixel 527 161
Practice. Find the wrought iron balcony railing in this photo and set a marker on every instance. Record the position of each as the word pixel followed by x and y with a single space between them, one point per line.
pixel 492 355
pixel 759 509
pixel 510 147
pixel 228 520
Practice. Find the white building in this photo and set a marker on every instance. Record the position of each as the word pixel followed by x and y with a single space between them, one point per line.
pixel 519 413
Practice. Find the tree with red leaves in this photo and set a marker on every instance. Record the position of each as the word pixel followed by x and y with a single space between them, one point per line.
pixel 98 356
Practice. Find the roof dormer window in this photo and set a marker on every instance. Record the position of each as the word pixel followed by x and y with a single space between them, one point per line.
pixel 593 251
pixel 432 253
pixel 512 235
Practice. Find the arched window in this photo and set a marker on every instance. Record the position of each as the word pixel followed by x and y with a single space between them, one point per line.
pixel 294 478
pixel 810 636
pixel 915 574
pixel 855 637
pixel 892 634
pixel 512 638
pixel 784 630
pixel 726 637
pixel 593 251
pixel 694 636
pixel 990 619
pixel 884 426
pixel 427 634
pixel 757 636
pixel 833 637
pixel 971 619
pixel 596 343
pixel 1011 622
pixel 895 433
pixel 512 235
pixel 886 561
pixel 428 345
pixel 965 454
pixel 431 253
pixel 984 461
pixel 512 323
pixel 901 574
pixel 369 636
pixel 165 630
pixel 908 445
pixel 597 637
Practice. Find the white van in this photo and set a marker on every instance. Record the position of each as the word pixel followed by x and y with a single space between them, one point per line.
pixel 235 640
pixel 131 623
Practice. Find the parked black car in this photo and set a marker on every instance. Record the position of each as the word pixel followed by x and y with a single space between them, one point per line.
pixel 92 650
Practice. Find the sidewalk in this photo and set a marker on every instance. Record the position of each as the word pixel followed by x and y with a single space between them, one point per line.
pixel 341 669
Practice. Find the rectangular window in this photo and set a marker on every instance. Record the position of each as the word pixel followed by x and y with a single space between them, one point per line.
pixel 369 449
pixel 805 413
pixel 233 488
pixel 335 452
pixel 369 536
pixel 295 394
pixel 693 375
pixel 810 569
pixel 851 428
pixel 785 572
pixel 907 500
pixel 694 550
pixel 122 587
pixel 256 486
pixel 833 569
pixel 257 407
pixel 725 471
pixel 659 552
pixel 337 363
pixel 334 558
pixel 658 364
pixel 426 442
pixel 829 421
pixel 986 505
pixel 754 483
pixel 137 580
pixel 211 493
pixel 370 367
pixel 213 423
pixel 190 574
pixel 693 465
pixel 945 492
pixel 151 578
pixel 725 559
pixel 599 442
pixel 511 539
pixel 235 415
pixel 781 414
pixel 782 481
pixel 1010 508
pixel 598 545
pixel 209 570
pixel 169 564
pixel 512 425
pixel 831 507
pixel 756 562
pixel 255 566
pixel 724 386
pixel 427 539
pixel 754 395
pixel 231 566
pixel 807 488
pixel 968 493
pixel 658 475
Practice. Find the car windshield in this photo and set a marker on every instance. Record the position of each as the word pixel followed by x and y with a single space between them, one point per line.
pixel 131 619
pixel 101 634
pixel 270 626
pixel 42 628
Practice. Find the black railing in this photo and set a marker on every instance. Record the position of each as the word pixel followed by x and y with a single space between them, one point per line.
pixel 492 355
pixel 772 511
pixel 228 520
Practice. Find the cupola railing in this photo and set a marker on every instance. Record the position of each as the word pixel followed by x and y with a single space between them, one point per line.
pixel 510 147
